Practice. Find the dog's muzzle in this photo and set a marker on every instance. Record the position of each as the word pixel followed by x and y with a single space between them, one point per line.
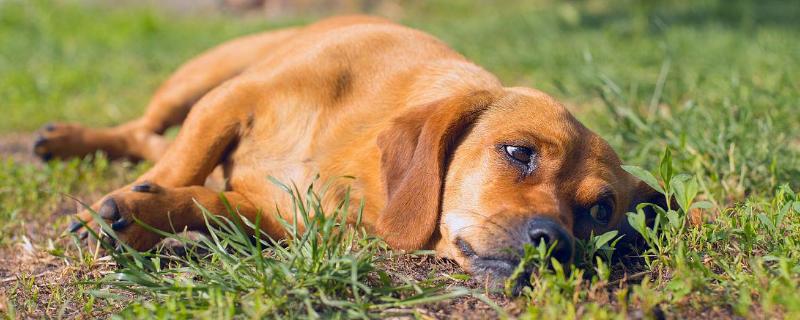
pixel 500 262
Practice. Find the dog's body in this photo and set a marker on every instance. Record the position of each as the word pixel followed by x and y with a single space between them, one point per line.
pixel 444 156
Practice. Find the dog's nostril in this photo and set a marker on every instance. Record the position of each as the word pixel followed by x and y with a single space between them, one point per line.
pixel 551 233
pixel 539 235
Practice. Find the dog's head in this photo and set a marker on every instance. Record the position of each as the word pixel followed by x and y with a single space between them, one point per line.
pixel 479 176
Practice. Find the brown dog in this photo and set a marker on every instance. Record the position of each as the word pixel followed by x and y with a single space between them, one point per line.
pixel 444 156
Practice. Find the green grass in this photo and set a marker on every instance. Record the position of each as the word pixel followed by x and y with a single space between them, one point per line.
pixel 716 82
pixel 327 271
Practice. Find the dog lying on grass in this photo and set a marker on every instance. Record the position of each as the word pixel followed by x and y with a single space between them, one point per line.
pixel 445 157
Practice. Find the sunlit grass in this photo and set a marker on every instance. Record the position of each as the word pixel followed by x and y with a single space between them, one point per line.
pixel 326 269
pixel 713 81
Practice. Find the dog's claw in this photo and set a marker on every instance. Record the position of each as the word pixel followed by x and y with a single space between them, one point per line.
pixel 75 226
pixel 146 187
pixel 120 224
pixel 109 210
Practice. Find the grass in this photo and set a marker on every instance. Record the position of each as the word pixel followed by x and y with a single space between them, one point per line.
pixel 713 81
pixel 327 271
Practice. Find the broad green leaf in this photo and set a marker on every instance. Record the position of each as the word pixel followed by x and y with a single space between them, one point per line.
pixel 637 220
pixel 604 238
pixel 685 189
pixel 645 176
pixel 674 219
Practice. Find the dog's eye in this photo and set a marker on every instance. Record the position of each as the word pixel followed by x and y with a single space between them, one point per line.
pixel 520 154
pixel 601 212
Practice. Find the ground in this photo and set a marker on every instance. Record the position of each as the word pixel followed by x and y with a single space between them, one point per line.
pixel 714 82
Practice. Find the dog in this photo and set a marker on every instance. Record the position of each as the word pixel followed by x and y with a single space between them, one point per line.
pixel 444 156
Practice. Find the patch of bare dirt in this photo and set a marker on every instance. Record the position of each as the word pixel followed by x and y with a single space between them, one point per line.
pixel 422 268
pixel 17 146
pixel 36 280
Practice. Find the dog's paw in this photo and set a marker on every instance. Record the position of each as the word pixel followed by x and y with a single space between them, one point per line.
pixel 120 212
pixel 60 140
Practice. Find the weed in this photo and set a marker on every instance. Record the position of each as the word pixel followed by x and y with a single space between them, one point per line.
pixel 326 269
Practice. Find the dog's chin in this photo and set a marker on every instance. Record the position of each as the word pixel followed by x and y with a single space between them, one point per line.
pixel 496 268
pixel 495 272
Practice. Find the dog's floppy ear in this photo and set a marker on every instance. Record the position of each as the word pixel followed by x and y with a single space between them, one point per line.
pixel 414 152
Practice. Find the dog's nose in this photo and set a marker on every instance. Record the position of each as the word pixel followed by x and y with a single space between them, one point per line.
pixel 552 234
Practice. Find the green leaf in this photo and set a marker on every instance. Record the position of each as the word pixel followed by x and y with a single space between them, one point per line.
pixel 602 239
pixel 782 214
pixel 645 176
pixel 674 219
pixel 666 165
pixel 685 189
pixel 460 276
pixel 637 220
pixel 766 222
pixel 702 205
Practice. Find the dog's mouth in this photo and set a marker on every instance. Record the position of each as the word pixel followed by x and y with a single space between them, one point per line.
pixel 497 268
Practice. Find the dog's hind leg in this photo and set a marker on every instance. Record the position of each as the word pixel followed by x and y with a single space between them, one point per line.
pixel 211 130
pixel 142 138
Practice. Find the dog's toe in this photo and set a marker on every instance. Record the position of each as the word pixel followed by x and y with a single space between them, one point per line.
pixel 40 148
pixel 109 210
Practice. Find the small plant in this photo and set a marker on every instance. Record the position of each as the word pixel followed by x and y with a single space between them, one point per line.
pixel 594 254
pixel 326 269
pixel 670 223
